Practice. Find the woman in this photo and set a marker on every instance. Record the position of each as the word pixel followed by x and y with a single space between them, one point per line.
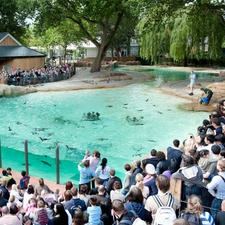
pixel 78 218
pixel 103 172
pixel 195 212
pixel 163 163
pixel 192 176
pixel 115 193
pixel 134 201
pixel 150 179
pixel 217 188
pixel 127 178
pixel 61 217
pixel 83 193
pixel 28 194
pixel 86 174
pixel 139 183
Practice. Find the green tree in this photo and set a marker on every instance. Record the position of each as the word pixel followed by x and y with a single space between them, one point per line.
pixel 195 29
pixel 98 20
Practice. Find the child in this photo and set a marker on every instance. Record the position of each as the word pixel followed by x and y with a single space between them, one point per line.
pixel 94 212
pixel 41 216
pixel 31 208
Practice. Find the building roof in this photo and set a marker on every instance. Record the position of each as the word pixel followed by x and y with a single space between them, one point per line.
pixel 4 35
pixel 18 51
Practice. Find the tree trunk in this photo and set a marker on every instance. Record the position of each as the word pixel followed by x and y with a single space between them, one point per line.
pixel 96 66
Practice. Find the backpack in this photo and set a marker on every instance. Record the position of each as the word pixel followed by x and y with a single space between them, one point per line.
pixel 192 218
pixel 165 214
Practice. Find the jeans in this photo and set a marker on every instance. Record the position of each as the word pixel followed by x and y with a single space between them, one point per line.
pixel 215 207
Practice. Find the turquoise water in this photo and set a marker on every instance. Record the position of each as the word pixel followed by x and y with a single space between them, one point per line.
pixel 56 118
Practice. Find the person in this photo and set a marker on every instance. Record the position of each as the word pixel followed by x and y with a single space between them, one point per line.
pixel 102 171
pixel 83 193
pixel 220 216
pixel 206 99
pixel 3 201
pixel 78 218
pixel 18 198
pixel 163 163
pixel 94 191
pixel 93 162
pixel 134 201
pixel 24 180
pixel 5 190
pixel 28 194
pixel 60 216
pixel 126 182
pixel 41 215
pixel 151 159
pixel 192 176
pixel 94 212
pixel 9 216
pixel 105 204
pixel 112 179
pixel 139 183
pixel 180 221
pixel 217 188
pixel 75 202
pixel 120 214
pixel 195 210
pixel 41 186
pixel 115 193
pixel 137 169
pixel 192 78
pixel 163 185
pixel 212 170
pixel 174 156
pixel 27 220
pixel 150 179
pixel 86 174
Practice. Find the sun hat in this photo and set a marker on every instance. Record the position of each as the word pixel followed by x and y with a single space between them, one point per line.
pixel 150 169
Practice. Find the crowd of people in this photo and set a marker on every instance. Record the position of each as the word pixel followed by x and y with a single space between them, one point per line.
pixel 48 73
pixel 102 198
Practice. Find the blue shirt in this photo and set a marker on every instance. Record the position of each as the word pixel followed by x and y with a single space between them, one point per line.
pixel 217 186
pixel 85 175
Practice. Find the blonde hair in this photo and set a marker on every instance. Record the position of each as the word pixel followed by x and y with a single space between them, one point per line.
pixel 139 179
pixel 194 205
pixel 221 164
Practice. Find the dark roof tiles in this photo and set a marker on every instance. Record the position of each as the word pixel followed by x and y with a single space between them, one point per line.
pixel 18 51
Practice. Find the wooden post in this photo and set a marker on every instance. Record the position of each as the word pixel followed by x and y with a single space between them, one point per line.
pixel 0 154
pixel 26 156
pixel 57 164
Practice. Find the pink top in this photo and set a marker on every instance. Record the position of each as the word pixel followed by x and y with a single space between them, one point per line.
pixel 93 162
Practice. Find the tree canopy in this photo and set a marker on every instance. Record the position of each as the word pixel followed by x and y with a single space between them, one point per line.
pixel 185 29
pixel 98 20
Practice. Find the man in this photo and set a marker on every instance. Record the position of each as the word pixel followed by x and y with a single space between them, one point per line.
pixel 220 216
pixel 150 160
pixel 112 179
pixel 120 215
pixel 41 186
pixel 9 216
pixel 192 78
pixel 75 202
pixel 174 156
pixel 105 204
pixel 208 92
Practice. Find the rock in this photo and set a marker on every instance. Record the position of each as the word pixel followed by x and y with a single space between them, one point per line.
pixel 10 90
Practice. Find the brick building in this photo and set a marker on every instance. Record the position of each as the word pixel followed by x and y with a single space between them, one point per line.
pixel 14 55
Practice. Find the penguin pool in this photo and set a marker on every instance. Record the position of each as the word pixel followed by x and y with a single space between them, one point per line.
pixel 124 124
